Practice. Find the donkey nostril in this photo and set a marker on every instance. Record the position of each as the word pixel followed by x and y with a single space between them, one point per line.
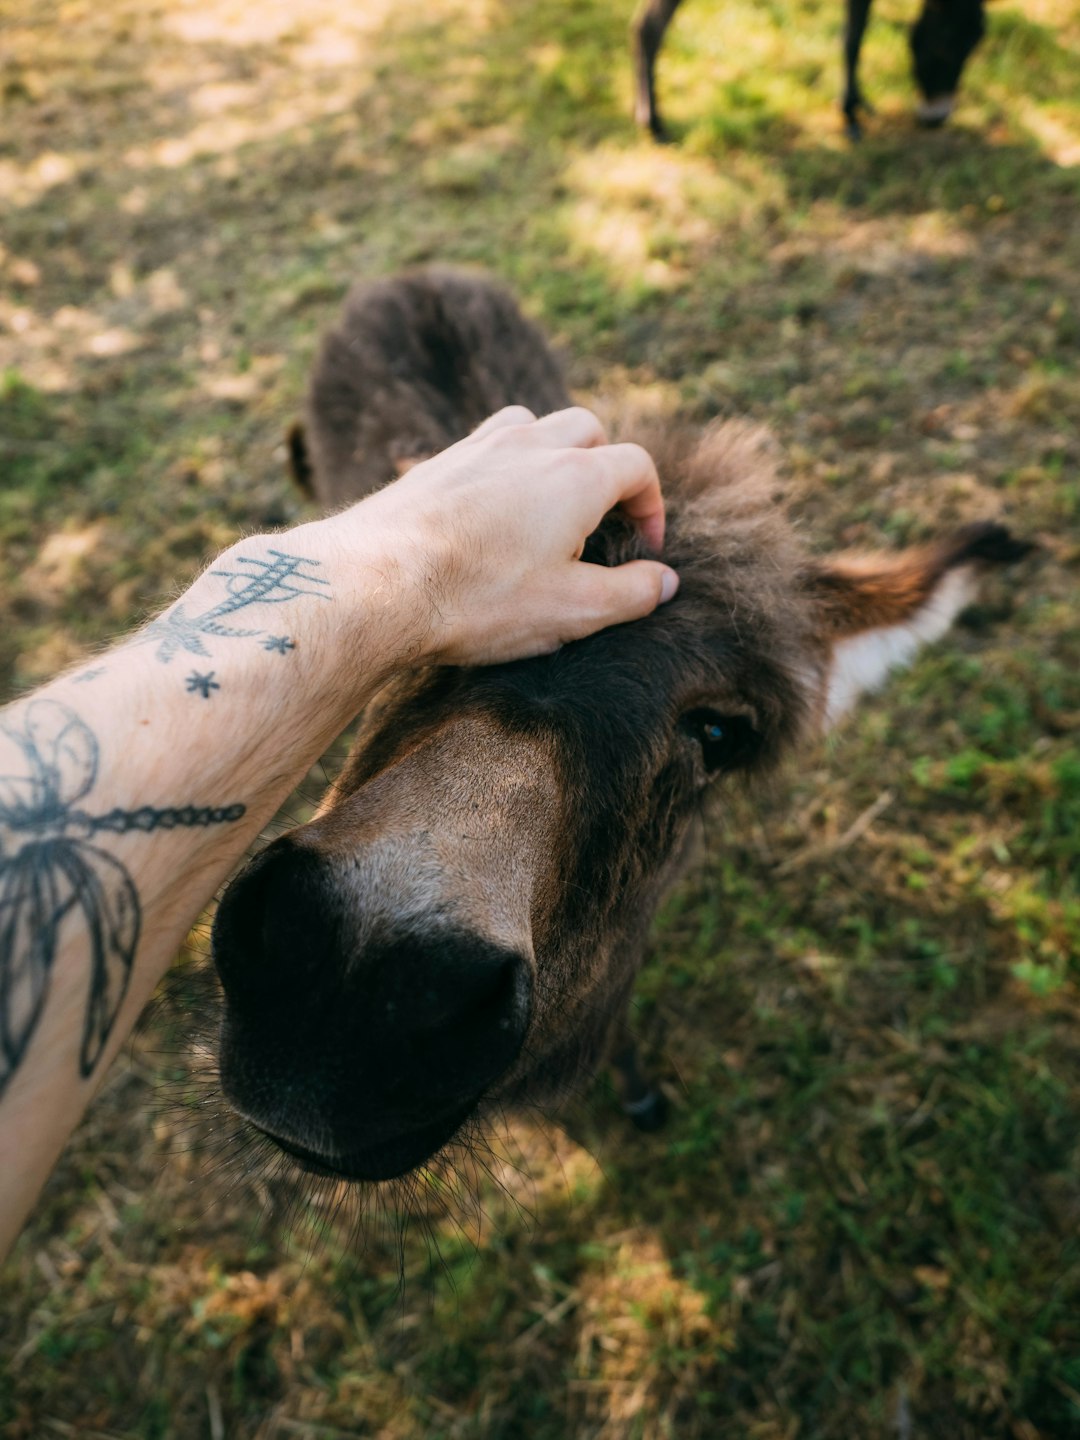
pixel 462 1012
pixel 272 920
pixel 470 983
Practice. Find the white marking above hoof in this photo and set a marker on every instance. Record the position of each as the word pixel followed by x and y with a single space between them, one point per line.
pixel 936 111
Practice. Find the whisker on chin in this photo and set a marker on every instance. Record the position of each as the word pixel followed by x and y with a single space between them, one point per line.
pixel 465 1194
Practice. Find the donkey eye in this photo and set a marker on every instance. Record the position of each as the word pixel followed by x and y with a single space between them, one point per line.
pixel 726 741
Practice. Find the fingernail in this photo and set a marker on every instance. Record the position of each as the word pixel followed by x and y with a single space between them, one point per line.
pixel 668 585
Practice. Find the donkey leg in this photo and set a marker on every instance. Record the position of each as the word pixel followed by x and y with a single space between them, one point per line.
pixel 858 12
pixel 648 35
pixel 646 1106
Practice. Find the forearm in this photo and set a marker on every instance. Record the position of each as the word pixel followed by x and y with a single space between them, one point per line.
pixel 131 788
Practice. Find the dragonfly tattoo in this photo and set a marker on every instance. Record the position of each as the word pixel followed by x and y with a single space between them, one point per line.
pixel 260 582
pixel 52 876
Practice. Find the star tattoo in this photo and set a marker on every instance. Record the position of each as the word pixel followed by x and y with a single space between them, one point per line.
pixel 202 684
pixel 278 643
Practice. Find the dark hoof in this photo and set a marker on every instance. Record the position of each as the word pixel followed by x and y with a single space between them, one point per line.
pixel 853 107
pixel 649 1114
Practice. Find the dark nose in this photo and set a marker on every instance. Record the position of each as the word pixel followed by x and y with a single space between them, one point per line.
pixel 354 1030
pixel 288 934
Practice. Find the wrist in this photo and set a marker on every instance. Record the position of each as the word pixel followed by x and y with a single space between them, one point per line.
pixel 386 582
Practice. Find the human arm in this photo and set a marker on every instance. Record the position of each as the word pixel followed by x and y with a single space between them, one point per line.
pixel 130 788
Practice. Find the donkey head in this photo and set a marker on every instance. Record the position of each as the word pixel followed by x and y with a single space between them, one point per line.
pixel 942 39
pixel 460 924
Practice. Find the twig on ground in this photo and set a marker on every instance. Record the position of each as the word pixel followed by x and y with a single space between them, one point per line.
pixel 855 831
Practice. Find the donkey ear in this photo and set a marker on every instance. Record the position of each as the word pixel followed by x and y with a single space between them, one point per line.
pixel 877 611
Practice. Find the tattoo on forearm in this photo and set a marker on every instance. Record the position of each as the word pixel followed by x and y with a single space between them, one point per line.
pixel 261 582
pixel 52 877
pixel 201 684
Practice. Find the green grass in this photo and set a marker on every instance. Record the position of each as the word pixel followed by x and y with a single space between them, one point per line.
pixel 864 1212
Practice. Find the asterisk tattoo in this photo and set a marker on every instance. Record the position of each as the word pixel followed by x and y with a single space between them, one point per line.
pixel 278 643
pixel 202 684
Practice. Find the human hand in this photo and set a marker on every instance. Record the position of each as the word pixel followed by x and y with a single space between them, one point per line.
pixel 488 537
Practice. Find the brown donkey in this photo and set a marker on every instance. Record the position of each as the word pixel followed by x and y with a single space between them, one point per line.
pixel 459 927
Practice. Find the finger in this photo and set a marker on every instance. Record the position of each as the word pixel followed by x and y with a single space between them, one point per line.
pixel 600 596
pixel 634 486
pixel 572 429
pixel 508 415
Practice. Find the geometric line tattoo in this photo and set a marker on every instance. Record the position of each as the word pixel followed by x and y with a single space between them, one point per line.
pixel 262 582
pixel 51 876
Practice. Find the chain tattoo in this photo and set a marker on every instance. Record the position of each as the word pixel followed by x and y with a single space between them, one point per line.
pixel 52 877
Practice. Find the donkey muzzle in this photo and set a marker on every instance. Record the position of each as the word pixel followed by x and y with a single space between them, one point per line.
pixel 359 1045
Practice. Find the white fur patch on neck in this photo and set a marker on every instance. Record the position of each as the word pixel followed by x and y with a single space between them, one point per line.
pixel 862 662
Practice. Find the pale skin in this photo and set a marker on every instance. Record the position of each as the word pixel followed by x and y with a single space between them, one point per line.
pixel 132 786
